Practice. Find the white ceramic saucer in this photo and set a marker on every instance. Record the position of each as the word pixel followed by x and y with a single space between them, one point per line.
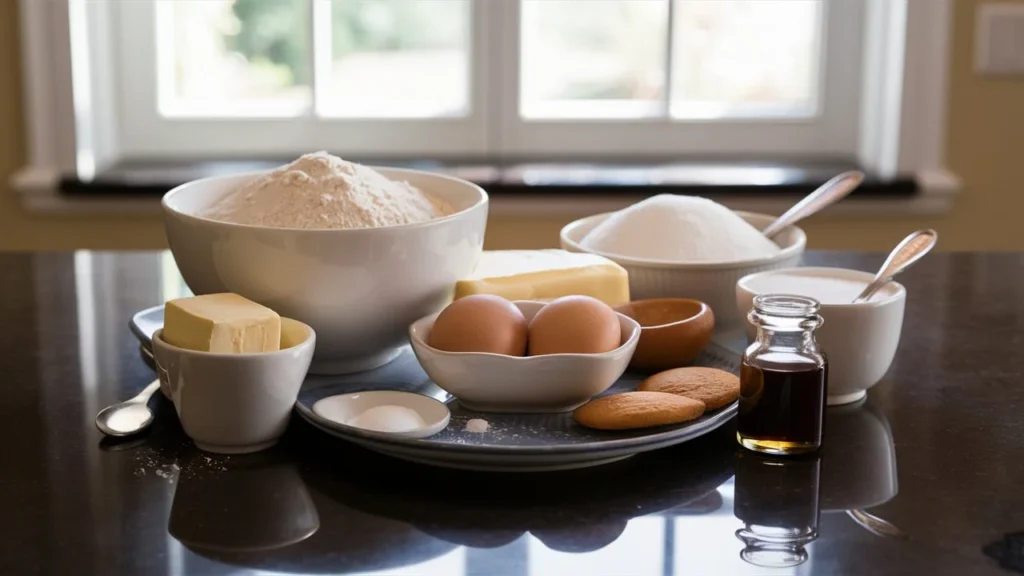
pixel 340 411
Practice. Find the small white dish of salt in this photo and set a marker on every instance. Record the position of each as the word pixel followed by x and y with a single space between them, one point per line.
pixel 399 414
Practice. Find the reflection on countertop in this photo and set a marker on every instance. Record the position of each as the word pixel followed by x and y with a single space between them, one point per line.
pixel 777 501
pixel 673 512
pixel 374 518
pixel 254 505
pixel 780 499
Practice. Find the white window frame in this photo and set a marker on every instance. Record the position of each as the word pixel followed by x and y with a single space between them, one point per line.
pixel 830 132
pixel 900 129
pixel 148 134
pixel 495 71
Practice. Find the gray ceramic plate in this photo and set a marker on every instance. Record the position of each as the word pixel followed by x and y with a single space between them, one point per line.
pixel 513 442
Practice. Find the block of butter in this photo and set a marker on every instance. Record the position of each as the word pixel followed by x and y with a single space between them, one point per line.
pixel 545 275
pixel 221 323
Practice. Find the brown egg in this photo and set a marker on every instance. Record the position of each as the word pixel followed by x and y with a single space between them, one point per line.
pixel 574 325
pixel 480 323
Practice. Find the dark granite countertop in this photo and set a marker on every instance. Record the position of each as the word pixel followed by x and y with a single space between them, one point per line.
pixel 937 450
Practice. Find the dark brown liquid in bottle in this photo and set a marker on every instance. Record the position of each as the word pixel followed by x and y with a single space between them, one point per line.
pixel 782 404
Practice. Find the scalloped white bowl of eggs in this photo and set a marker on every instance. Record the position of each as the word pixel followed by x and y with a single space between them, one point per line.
pixel 545 383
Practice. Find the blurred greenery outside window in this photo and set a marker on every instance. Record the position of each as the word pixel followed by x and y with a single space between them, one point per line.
pixel 578 58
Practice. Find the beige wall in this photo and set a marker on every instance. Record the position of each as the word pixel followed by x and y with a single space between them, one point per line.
pixel 986 137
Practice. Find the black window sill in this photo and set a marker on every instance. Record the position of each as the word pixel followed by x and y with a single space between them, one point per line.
pixel 534 178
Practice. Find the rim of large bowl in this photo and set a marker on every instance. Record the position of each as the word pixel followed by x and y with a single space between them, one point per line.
pixel 789 251
pixel 483 200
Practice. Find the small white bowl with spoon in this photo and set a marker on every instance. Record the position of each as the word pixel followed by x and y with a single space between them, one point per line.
pixel 863 313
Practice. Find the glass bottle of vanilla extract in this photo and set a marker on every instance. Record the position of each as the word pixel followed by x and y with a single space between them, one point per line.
pixel 783 378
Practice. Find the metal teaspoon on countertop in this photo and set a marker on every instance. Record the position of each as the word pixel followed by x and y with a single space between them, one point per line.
pixel 128 417
pixel 826 195
pixel 903 256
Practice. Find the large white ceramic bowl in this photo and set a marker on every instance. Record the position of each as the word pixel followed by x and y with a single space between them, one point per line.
pixel 710 282
pixel 497 383
pixel 860 340
pixel 359 289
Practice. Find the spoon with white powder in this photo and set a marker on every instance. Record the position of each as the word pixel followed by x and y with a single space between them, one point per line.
pixel 826 195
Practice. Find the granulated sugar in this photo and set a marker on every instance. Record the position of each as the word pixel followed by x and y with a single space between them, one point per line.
pixel 321 191
pixel 166 464
pixel 477 425
pixel 675 228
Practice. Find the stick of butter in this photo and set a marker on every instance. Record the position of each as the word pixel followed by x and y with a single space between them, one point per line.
pixel 545 275
pixel 221 323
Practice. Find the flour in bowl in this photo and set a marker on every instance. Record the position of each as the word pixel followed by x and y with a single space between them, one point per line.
pixel 673 228
pixel 321 191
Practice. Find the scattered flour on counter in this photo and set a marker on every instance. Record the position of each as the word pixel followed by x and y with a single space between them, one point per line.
pixel 674 228
pixel 321 191
pixel 477 425
pixel 166 464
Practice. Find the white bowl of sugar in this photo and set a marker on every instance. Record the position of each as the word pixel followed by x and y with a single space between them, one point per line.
pixel 358 288
pixel 707 272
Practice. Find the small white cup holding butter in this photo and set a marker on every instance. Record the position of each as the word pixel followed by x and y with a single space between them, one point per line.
pixel 860 339
pixel 233 369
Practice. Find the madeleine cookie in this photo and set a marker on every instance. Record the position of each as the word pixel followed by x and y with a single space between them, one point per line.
pixel 637 410
pixel 714 387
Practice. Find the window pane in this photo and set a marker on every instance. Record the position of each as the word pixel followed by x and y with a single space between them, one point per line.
pixel 745 58
pixel 397 58
pixel 593 58
pixel 233 58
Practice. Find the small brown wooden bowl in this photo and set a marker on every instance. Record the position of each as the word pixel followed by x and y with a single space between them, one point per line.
pixel 673 331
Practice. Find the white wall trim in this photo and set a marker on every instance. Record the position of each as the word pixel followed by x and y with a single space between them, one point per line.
pixel 906 87
pixel 46 81
pixel 881 92
pixel 927 67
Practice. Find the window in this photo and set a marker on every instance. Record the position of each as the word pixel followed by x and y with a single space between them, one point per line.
pixel 485 77
pixel 518 79
pixel 279 77
pixel 265 58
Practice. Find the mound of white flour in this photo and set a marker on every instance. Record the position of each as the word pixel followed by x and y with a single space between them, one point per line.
pixel 321 191
pixel 675 228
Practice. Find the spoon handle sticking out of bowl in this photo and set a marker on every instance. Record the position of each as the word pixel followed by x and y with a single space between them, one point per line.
pixel 903 256
pixel 827 194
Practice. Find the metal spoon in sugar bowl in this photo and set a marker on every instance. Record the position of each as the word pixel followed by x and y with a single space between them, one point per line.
pixel 826 195
pixel 903 256
pixel 128 417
